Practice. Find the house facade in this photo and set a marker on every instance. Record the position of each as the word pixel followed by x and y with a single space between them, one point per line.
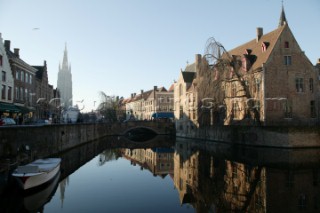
pixel 266 81
pixel 276 83
pixel 185 96
pixel 47 104
pixel 6 84
pixel 144 105
pixel 24 84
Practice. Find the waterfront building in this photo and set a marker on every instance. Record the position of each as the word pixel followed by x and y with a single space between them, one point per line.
pixel 276 83
pixel 266 81
pixel 64 84
pixel 185 96
pixel 47 106
pixel 7 108
pixel 144 105
pixel 24 85
pixel 159 161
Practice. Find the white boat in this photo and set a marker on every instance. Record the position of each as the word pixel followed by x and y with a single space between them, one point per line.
pixel 37 172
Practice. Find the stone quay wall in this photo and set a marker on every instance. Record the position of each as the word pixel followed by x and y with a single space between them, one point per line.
pixel 43 141
pixel 266 136
pixel 46 140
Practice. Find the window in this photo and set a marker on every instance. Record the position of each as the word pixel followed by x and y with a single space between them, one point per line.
pixel 288 110
pixel 233 89
pixel 257 85
pixel 21 93
pixel 17 75
pixel 235 110
pixel 299 84
pixel 287 60
pixel 1 60
pixel 27 78
pixel 17 93
pixel 286 44
pixel 22 76
pixel 26 95
pixel 3 92
pixel 4 76
pixel 30 79
pixel 312 109
pixel 181 112
pixel 311 84
pixel 9 93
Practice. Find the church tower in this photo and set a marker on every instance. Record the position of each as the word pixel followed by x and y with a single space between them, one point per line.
pixel 64 84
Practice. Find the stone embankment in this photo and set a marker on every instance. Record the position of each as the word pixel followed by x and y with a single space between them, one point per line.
pixel 46 140
pixel 266 136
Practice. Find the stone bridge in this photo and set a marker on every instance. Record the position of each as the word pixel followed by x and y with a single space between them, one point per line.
pixel 48 140
pixel 156 127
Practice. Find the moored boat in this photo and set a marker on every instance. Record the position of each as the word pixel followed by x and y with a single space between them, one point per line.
pixel 37 172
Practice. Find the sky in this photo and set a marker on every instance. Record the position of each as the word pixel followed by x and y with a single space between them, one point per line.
pixel 121 47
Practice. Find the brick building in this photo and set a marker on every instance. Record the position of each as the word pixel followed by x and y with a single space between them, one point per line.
pixel 24 84
pixel 275 79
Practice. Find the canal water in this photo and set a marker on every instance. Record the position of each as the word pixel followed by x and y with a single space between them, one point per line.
pixel 115 175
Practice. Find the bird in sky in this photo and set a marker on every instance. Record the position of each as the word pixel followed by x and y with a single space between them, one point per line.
pixel 35 28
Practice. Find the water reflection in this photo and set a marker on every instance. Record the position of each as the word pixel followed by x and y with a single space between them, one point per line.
pixel 207 177
pixel 223 178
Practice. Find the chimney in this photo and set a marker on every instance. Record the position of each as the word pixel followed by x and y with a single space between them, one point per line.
pixel 16 52
pixel 7 45
pixel 155 88
pixel 198 58
pixel 131 95
pixel 259 33
pixel 142 91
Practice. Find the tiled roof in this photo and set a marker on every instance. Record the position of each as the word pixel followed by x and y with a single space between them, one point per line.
pixel 171 88
pixel 256 47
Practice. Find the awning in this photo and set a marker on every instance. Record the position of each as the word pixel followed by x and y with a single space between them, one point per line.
pixel 23 109
pixel 163 115
pixel 7 107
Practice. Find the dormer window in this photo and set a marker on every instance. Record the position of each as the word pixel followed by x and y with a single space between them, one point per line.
pixel 264 46
pixel 248 51
pixel 286 44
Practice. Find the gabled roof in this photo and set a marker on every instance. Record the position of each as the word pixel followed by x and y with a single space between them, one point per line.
pixel 171 88
pixel 255 47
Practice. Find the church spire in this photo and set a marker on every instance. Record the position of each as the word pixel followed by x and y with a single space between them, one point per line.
pixel 283 20
pixel 65 58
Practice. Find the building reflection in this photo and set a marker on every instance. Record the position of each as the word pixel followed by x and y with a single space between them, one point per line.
pixel 215 181
pixel 159 161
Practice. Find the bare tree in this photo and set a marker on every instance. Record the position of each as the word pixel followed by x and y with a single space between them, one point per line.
pixel 109 106
pixel 223 85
